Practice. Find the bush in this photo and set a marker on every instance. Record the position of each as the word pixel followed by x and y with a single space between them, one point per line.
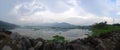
pixel 58 38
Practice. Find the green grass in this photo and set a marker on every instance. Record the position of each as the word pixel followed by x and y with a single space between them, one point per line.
pixel 97 32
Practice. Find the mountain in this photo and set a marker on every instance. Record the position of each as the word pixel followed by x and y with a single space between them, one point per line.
pixel 62 25
pixel 54 25
pixel 66 25
pixel 7 25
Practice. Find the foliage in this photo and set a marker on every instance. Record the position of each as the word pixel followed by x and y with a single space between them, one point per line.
pixel 58 38
pixel 103 27
pixel 117 24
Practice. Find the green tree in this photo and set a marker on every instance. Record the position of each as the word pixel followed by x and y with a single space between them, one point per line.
pixel 101 25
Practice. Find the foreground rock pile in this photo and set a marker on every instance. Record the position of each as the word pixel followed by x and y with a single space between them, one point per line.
pixel 14 41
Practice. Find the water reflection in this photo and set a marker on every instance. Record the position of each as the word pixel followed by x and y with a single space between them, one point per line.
pixel 47 33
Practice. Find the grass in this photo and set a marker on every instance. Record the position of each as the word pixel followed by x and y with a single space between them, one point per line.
pixel 97 32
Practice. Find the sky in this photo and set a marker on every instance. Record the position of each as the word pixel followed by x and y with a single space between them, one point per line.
pixel 77 12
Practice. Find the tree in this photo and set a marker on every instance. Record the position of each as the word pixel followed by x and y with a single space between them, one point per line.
pixel 101 25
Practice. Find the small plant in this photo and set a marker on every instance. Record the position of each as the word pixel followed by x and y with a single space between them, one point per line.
pixel 59 38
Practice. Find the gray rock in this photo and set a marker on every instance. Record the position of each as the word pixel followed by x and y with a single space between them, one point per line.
pixel 6 48
pixel 31 48
pixel 15 36
pixel 59 46
pixel 1 41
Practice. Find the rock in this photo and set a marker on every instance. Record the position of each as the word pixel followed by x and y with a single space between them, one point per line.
pixel 19 46
pixel 100 45
pixel 6 48
pixel 59 46
pixel 24 43
pixel 2 37
pixel 8 32
pixel 15 36
pixel 49 46
pixel 32 41
pixel 69 47
pixel 39 44
pixel 31 48
pixel 75 46
pixel 1 41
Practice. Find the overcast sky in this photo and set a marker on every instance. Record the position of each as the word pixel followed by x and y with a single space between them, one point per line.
pixel 77 12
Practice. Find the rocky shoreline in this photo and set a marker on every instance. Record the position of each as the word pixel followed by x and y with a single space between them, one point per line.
pixel 14 41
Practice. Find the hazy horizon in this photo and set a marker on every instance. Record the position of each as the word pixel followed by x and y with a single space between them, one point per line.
pixel 76 12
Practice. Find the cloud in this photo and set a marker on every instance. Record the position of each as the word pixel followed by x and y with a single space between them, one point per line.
pixel 57 6
pixel 100 7
pixel 69 16
pixel 48 17
pixel 97 7
pixel 118 2
pixel 27 8
pixel 89 19
pixel 118 13
pixel 77 12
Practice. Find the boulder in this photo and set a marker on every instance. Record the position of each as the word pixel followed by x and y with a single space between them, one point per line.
pixel 48 46
pixel 39 44
pixel 2 37
pixel 59 46
pixel 6 47
pixel 8 32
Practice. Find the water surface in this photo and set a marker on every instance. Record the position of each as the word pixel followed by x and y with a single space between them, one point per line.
pixel 47 33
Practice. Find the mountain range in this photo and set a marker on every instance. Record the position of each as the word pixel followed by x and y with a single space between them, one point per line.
pixel 61 25
pixel 7 25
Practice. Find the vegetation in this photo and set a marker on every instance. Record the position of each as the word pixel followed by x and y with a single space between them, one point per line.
pixel 103 27
pixel 57 39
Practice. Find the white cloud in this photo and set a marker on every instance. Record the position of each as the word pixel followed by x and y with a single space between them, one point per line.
pixel 89 19
pixel 48 16
pixel 118 2
pixel 71 14
pixel 27 8
pixel 118 13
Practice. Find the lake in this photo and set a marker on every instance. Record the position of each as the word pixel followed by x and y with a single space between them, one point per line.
pixel 47 33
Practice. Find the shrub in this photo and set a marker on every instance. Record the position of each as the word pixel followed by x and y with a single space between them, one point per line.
pixel 59 38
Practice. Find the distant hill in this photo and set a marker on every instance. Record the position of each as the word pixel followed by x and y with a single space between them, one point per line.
pixel 7 25
pixel 58 25
pixel 66 25
pixel 53 25
pixel 62 25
